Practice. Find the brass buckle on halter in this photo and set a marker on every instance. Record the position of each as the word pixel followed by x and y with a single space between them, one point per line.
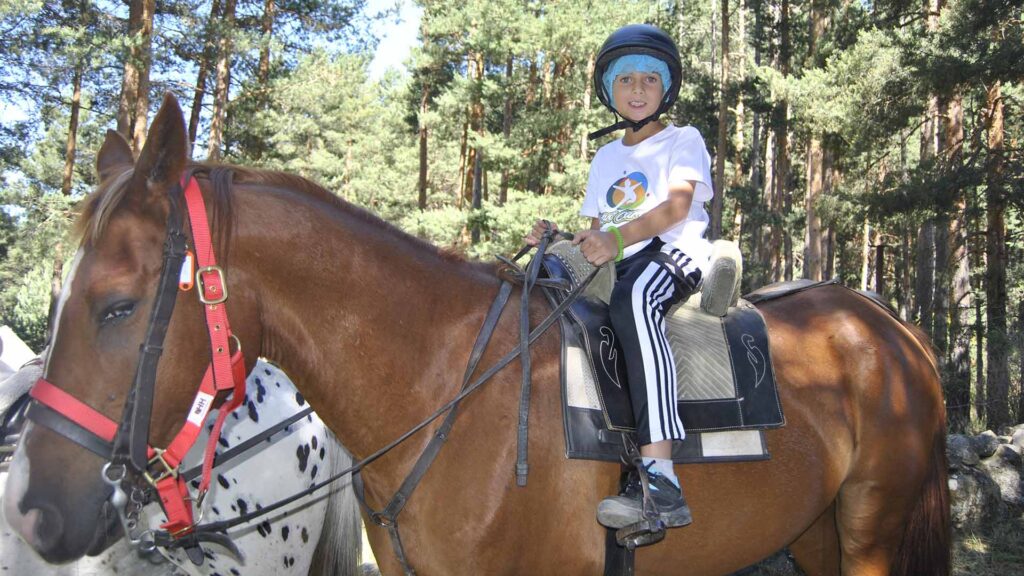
pixel 168 471
pixel 202 285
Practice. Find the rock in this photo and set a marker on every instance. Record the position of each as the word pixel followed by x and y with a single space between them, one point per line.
pixel 960 452
pixel 986 443
pixel 1004 468
pixel 1011 430
pixel 1018 438
pixel 976 502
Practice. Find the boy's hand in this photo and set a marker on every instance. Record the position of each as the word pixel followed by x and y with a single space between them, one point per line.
pixel 541 226
pixel 598 247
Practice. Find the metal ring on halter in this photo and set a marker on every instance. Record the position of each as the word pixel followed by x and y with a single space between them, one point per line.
pixel 147 541
pixel 238 343
pixel 110 479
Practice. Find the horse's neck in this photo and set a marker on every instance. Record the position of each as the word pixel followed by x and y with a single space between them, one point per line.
pixel 373 327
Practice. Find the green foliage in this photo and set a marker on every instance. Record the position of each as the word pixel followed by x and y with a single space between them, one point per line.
pixel 31 231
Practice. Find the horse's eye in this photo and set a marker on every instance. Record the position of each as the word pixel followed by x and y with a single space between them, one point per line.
pixel 117 312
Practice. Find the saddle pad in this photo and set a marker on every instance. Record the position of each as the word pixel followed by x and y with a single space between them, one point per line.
pixel 724 374
pixel 588 437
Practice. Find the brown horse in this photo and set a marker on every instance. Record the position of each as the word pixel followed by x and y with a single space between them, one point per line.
pixel 376 327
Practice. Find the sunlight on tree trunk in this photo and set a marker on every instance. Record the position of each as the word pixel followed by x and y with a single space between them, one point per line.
pixel 998 375
pixel 223 85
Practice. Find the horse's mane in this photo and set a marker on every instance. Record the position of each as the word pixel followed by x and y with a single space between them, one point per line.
pixel 97 208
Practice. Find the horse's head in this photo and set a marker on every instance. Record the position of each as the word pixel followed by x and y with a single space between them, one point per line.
pixel 55 497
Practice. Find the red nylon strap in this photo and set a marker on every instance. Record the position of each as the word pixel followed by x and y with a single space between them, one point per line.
pixel 213 294
pixel 74 409
pixel 175 500
pixel 211 289
pixel 188 434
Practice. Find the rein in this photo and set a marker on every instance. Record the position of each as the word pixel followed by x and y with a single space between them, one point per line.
pixel 126 444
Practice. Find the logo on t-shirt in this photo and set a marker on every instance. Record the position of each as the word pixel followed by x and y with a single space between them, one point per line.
pixel 628 192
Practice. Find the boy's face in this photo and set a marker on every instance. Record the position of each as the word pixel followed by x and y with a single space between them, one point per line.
pixel 637 95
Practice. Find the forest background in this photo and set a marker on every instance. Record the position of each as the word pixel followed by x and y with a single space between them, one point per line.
pixel 874 142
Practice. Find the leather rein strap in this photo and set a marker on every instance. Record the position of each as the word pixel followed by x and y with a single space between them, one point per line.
pixel 131 442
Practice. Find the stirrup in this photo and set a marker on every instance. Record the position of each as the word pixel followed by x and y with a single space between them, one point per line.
pixel 643 533
pixel 651 528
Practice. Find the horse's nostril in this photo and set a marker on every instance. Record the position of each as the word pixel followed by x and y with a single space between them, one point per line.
pixel 45 528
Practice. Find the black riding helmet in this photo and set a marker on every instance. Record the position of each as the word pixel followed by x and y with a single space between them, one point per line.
pixel 637 39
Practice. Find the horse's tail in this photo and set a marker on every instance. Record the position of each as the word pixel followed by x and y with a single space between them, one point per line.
pixel 927 536
pixel 339 551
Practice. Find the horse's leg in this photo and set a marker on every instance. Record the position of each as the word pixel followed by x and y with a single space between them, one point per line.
pixel 877 499
pixel 817 550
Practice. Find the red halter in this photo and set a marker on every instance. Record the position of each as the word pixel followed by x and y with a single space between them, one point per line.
pixel 225 374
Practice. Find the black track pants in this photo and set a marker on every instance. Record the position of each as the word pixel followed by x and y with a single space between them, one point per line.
pixel 649 283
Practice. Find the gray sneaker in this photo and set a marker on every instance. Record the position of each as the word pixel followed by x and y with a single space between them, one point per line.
pixel 627 508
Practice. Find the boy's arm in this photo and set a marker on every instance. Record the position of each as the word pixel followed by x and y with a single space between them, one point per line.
pixel 600 247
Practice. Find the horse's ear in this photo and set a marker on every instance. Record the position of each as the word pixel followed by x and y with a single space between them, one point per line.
pixel 114 153
pixel 165 154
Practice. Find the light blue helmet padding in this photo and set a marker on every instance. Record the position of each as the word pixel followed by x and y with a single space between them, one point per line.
pixel 630 63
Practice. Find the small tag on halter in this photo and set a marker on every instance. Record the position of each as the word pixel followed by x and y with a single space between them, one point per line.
pixel 200 408
pixel 188 272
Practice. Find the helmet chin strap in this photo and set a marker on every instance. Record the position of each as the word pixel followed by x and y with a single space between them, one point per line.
pixel 624 123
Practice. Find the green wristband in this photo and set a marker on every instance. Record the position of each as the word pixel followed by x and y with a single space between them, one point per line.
pixel 618 240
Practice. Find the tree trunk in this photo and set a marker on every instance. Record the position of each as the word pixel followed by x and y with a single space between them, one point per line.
pixel 133 105
pixel 740 120
pixel 204 70
pixel 463 155
pixel 998 376
pixel 72 141
pixel 958 370
pixel 65 188
pixel 145 55
pixel 223 86
pixel 880 267
pixel 424 102
pixel 815 186
pixel 865 252
pixel 1020 360
pixel 267 26
pixel 130 78
pixel 768 198
pixel 924 283
pixel 506 123
pixel 782 241
pixel 722 150
pixel 904 302
pixel 584 140
pixel 980 412
pixel 477 194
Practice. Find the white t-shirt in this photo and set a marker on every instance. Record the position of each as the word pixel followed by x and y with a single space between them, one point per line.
pixel 626 182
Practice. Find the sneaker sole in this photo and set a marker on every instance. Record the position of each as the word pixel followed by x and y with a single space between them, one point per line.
pixel 615 515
